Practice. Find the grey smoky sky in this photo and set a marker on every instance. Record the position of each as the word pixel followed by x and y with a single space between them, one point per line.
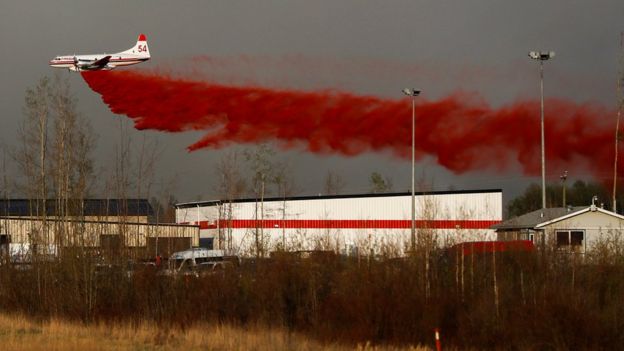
pixel 365 47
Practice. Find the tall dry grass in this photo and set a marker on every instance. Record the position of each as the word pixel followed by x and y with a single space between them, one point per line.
pixel 21 333
pixel 526 301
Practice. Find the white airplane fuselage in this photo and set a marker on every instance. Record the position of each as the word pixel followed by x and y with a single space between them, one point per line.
pixel 82 62
pixel 137 54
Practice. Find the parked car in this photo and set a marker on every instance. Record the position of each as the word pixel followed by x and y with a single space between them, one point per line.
pixel 198 262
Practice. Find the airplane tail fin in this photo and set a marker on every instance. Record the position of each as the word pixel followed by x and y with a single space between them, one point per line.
pixel 140 48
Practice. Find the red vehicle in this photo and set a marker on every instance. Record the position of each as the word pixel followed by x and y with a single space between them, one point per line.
pixel 483 247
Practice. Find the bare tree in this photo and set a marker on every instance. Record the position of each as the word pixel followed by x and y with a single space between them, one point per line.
pixel 164 207
pixel 71 167
pixel 5 177
pixel 54 157
pixel 31 156
pixel 4 250
pixel 427 237
pixel 145 171
pixel 71 153
pixel 334 183
pixel 379 183
pixel 260 160
pixel 284 181
pixel 143 179
pixel 122 168
pixel 230 186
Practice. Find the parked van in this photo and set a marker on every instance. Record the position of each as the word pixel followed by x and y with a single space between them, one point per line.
pixel 22 253
pixel 188 260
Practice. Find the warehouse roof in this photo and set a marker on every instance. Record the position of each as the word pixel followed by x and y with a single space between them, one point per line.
pixel 347 196
pixel 532 219
pixel 86 207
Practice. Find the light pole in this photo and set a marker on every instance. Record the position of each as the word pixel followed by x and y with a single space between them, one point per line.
pixel 413 93
pixel 542 56
pixel 563 178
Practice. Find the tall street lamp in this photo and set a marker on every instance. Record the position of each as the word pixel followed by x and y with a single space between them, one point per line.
pixel 542 56
pixel 413 93
pixel 563 178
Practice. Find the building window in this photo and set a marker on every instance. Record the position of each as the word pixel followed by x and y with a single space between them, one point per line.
pixel 570 238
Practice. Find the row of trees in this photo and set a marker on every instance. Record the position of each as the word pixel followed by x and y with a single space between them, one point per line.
pixel 54 158
pixel 269 176
pixel 580 193
pixel 56 145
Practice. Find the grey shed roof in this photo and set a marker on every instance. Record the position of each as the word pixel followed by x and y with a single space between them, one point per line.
pixel 531 219
pixel 89 207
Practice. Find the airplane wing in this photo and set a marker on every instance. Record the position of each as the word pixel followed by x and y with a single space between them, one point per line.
pixel 101 62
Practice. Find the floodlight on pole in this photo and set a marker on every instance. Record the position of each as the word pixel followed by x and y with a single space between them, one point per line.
pixel 413 93
pixel 563 178
pixel 542 56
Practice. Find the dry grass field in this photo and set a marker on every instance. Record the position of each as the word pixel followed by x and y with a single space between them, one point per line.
pixel 530 301
pixel 20 333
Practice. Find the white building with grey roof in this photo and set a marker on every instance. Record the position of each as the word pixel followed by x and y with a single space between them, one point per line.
pixel 578 229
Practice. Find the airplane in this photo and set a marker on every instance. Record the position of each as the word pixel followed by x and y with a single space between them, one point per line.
pixel 137 54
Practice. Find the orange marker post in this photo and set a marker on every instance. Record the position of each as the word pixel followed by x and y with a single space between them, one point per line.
pixel 437 339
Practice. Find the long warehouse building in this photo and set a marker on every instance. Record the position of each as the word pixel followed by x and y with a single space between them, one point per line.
pixel 343 223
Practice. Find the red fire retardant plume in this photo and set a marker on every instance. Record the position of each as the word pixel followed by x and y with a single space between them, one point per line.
pixel 461 131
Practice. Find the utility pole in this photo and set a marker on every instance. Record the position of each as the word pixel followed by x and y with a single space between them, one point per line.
pixel 620 102
pixel 563 178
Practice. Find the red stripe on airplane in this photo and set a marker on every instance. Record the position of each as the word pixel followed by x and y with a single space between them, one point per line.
pixel 111 60
pixel 349 224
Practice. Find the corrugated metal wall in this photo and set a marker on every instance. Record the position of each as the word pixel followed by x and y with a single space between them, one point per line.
pixel 344 222
pixel 87 233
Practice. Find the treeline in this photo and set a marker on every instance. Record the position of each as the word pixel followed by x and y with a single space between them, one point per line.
pixel 579 193
pixel 544 300
pixel 53 158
